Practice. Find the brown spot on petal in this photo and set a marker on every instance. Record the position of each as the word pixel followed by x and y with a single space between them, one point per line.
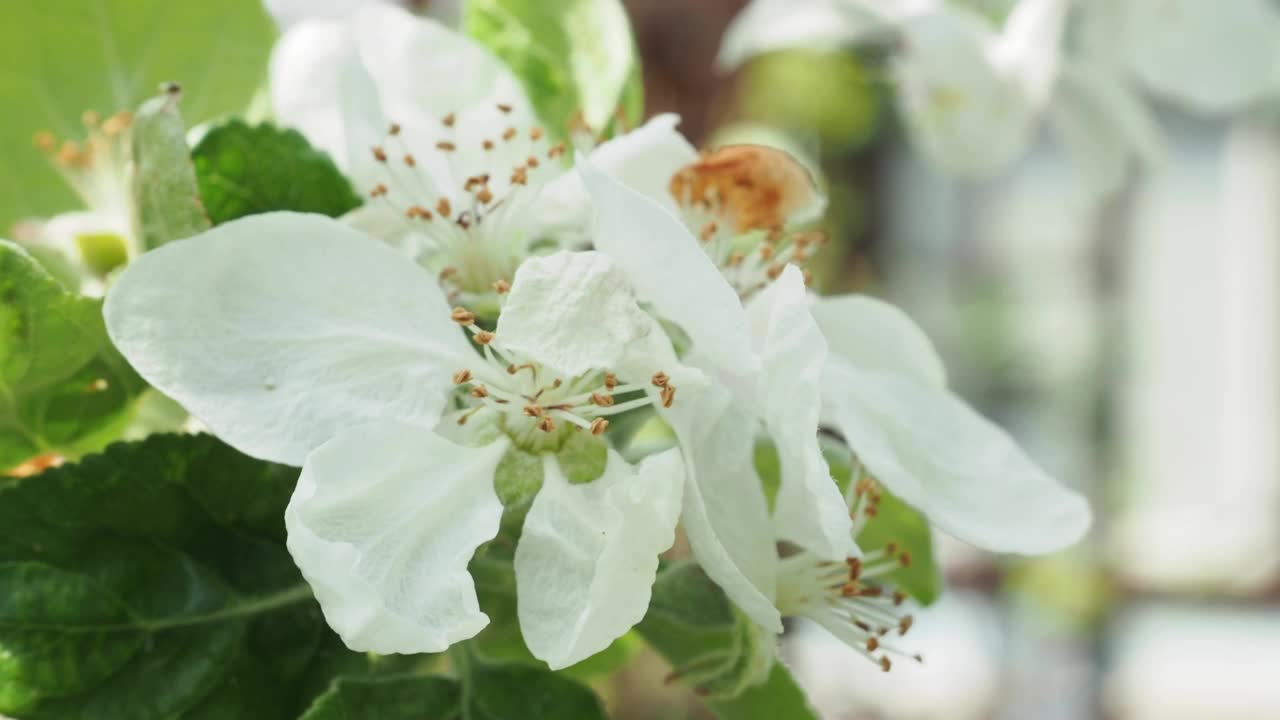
pixel 752 186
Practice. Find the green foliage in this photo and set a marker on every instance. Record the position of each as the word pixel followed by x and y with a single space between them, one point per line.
pixel 831 93
pixel 151 581
pixel 164 183
pixel 401 697
pixel 719 652
pixel 59 58
pixel 63 387
pixel 244 170
pixel 571 56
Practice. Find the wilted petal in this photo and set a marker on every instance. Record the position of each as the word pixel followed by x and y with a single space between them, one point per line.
pixel 668 269
pixel 573 312
pixel 588 554
pixel 809 509
pixel 279 330
pixel 726 515
pixel 383 522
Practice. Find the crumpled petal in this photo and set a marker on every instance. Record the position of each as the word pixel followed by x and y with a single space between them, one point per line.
pixel 809 509
pixel 964 112
pixel 588 554
pixel 383 522
pixel 572 312
pixel 726 514
pixel 936 453
pixel 668 269
pixel 279 330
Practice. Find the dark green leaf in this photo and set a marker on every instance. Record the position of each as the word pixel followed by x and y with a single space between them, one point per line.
pixel 151 581
pixel 164 182
pixel 63 387
pixel 521 692
pixel 244 170
pixel 571 56
pixel 403 697
pixel 59 58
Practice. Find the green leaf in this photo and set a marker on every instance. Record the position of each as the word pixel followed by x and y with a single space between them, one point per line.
pixel 571 56
pixel 403 697
pixel 244 170
pixel 151 581
pixel 164 182
pixel 63 387
pixel 59 58
pixel 520 692
pixel 716 650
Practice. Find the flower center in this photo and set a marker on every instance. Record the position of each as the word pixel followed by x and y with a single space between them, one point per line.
pixel 738 200
pixel 852 600
pixel 461 200
pixel 538 409
pixel 96 168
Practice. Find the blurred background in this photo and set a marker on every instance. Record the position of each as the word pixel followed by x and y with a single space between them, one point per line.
pixel 1131 343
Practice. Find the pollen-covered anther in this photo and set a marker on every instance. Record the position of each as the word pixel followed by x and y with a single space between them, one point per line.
pixel 504 108
pixel 534 410
pixel 417 212
pixel 535 133
pixel 461 377
pixel 446 146
pixel 502 287
pixel 520 176
pixel 660 379
pixel 885 663
pixel 775 271
pixel 393 129
pixel 556 151
pixel 483 337
pixel 463 316
pixel 545 424
pixel 444 208
pixel 447 272
pixel 449 120
pixel 708 231
pixel 610 381
pixel 379 154
pixel 484 195
pixel 409 160
pixel 486 144
pixel 598 426
pixel 601 399
pixel 668 395
pixel 379 190
pixel 509 134
pixel 531 162
pixel 480 391
pixel 905 624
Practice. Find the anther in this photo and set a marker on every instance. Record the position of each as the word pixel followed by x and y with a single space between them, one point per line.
pixel 449 270
pixel 905 624
pixel 660 379
pixel 905 559
pixel 556 151
pixel 379 154
pixel 502 287
pixel 443 207
pixel 601 399
pixel 379 190
pixel 531 162
pixel 668 396
pixel 479 391
pixel 463 316
pixel 446 146
pixel 487 144
pixel 462 376
pixel 598 426
pixel 394 129
pixel 449 120
pixel 885 664
pixel 546 424
pixel 504 108
pixel 485 195
pixel 509 134
pixel 774 271
pixel 484 337
pixel 610 381
pixel 873 644
pixel 409 160
pixel 90 118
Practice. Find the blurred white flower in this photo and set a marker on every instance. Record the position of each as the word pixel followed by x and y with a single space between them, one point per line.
pixel 299 340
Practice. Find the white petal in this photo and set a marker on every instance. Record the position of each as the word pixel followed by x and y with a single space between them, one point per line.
pixel 643 159
pixel 588 554
pixel 964 113
pixel 962 471
pixel 1213 57
pixel 873 335
pixel 668 269
pixel 725 514
pixel 768 25
pixel 1105 127
pixel 1029 48
pixel 279 330
pixel 383 522
pixel 573 312
pixel 809 510
pixel 291 12
pixel 320 86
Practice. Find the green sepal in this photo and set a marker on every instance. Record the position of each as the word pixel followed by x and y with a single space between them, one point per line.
pixel 164 182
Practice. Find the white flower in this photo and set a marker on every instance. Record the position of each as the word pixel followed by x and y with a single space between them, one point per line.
pixel 83 246
pixel 299 340
pixel 440 135
pixel 1212 57
pixel 971 93
pixel 781 356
